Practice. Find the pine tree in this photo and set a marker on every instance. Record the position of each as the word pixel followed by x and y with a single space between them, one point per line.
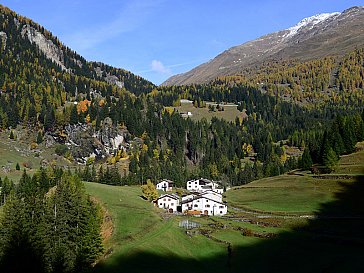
pixel 12 135
pixel 330 159
pixel 306 160
pixel 39 137
pixel 74 115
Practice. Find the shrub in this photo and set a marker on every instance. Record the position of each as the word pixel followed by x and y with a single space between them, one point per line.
pixel 61 149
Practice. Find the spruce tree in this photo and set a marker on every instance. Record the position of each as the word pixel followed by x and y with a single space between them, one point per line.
pixel 330 159
pixel 306 160
pixel 39 137
pixel 74 115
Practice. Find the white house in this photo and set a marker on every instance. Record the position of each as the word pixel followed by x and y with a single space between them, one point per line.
pixel 210 194
pixel 204 205
pixel 168 202
pixel 202 185
pixel 165 185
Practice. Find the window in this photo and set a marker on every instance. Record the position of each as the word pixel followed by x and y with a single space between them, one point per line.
pixel 172 204
pixel 220 212
pixel 207 200
pixel 169 199
pixel 164 199
pixel 195 205
pixel 207 206
pixel 221 207
pixel 160 204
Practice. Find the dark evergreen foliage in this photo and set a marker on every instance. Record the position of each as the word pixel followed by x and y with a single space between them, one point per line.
pixel 50 225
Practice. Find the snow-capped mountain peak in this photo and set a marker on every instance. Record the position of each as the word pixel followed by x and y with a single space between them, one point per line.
pixel 310 22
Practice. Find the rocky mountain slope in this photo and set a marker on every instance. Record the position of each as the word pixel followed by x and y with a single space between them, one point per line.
pixel 16 31
pixel 327 34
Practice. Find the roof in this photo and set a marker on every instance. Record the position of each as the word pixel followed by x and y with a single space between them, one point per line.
pixel 199 197
pixel 166 180
pixel 173 196
pixel 209 191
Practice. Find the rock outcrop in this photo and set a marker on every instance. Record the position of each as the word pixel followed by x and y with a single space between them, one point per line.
pixel 49 49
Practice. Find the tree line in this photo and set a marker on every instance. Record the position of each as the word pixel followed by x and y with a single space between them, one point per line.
pixel 49 224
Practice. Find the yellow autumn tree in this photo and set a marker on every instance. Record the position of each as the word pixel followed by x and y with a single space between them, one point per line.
pixel 149 191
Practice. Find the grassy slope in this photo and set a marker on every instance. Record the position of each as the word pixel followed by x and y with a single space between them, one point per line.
pixel 139 228
pixel 145 242
pixel 18 151
pixel 294 193
pixel 286 193
pixel 229 113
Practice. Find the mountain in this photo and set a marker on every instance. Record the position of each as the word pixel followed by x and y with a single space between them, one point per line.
pixel 328 34
pixel 18 34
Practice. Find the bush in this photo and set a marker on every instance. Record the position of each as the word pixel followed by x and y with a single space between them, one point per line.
pixel 33 146
pixel 61 149
pixel 28 165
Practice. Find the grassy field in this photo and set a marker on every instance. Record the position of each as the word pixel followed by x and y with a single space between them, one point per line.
pixel 147 240
pixel 353 163
pixel 230 112
pixel 18 151
pixel 285 194
pixel 296 194
pixel 140 229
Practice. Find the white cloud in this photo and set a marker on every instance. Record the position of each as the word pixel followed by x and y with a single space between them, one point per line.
pixel 158 66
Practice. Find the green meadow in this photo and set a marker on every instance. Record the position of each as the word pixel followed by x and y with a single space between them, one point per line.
pixel 266 229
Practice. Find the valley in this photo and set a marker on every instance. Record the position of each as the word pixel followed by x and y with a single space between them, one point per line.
pixel 266 216
pixel 102 170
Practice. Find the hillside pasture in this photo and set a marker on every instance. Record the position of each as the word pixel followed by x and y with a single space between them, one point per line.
pixel 230 112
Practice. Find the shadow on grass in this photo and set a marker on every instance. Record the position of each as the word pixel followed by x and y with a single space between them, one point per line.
pixel 332 242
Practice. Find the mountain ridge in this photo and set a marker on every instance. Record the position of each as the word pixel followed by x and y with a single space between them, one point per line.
pixel 64 57
pixel 321 35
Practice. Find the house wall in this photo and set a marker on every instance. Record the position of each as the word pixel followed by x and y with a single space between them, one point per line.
pixel 209 207
pixel 167 203
pixel 194 185
pixel 164 186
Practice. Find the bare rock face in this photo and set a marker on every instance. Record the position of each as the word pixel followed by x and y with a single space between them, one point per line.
pixel 3 38
pixel 111 79
pixel 111 138
pixel 327 34
pixel 84 141
pixel 52 52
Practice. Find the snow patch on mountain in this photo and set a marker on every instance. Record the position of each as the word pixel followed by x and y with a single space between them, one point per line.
pixel 309 22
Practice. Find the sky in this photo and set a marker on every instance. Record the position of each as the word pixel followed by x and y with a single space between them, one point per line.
pixel 160 38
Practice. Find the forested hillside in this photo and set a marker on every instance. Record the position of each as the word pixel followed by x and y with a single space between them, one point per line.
pixel 39 72
pixel 334 80
pixel 289 104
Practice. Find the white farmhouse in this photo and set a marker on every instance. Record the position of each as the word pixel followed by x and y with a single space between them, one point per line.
pixel 202 185
pixel 165 185
pixel 168 202
pixel 210 194
pixel 204 205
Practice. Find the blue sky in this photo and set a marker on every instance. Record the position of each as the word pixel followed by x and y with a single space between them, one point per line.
pixel 160 38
